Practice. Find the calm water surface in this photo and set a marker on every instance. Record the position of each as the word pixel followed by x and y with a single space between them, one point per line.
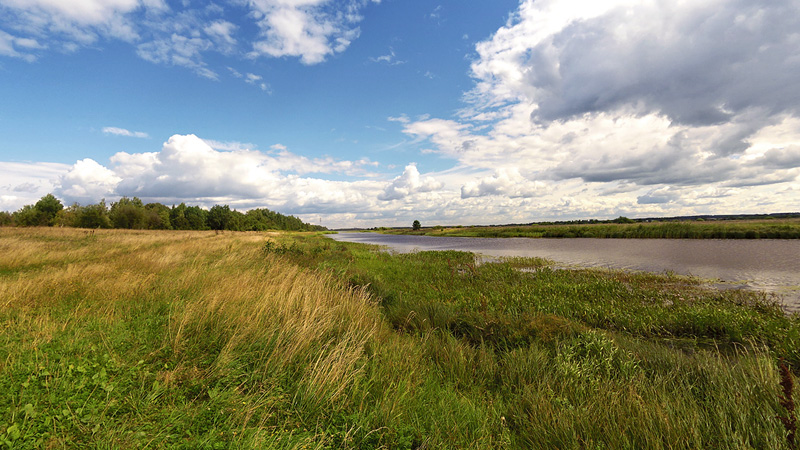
pixel 771 265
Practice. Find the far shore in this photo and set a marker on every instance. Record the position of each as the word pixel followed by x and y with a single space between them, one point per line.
pixel 769 228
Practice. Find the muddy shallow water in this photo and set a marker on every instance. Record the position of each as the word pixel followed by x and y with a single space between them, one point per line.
pixel 770 265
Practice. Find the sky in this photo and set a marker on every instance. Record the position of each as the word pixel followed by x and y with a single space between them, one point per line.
pixel 364 113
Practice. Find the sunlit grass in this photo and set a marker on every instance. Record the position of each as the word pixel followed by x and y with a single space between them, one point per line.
pixel 141 339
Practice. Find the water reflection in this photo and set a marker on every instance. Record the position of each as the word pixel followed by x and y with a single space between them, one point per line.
pixel 771 265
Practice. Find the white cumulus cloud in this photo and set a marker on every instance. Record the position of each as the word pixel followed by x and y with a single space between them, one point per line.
pixel 87 182
pixel 188 169
pixel 506 182
pixel 409 182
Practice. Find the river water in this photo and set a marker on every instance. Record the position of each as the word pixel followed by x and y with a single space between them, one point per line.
pixel 770 265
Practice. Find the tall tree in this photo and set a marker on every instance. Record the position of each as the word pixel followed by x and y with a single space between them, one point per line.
pixel 127 213
pixel 177 217
pixel 27 216
pixel 157 216
pixel 48 206
pixel 196 216
pixel 219 217
pixel 94 216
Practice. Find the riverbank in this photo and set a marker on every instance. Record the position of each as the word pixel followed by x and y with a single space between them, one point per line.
pixel 247 340
pixel 765 265
pixel 745 229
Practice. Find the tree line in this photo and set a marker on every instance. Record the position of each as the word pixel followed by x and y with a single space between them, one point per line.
pixel 132 213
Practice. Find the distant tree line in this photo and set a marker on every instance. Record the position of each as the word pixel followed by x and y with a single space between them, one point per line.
pixel 132 213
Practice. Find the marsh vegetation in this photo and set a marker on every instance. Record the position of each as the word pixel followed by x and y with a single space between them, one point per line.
pixel 694 229
pixel 187 339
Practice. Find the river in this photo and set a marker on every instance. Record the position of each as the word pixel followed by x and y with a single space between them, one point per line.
pixel 769 265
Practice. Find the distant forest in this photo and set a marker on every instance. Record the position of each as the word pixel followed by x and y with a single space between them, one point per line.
pixel 132 213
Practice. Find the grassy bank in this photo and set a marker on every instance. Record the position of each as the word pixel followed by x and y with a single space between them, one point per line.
pixel 746 229
pixel 121 339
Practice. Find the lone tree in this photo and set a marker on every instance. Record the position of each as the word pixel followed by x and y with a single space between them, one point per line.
pixel 416 225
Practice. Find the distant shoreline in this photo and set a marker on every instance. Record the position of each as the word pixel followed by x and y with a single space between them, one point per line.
pixel 623 228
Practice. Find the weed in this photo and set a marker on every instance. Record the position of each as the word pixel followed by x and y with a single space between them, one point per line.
pixel 787 402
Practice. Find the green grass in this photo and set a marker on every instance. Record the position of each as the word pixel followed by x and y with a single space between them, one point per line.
pixel 749 229
pixel 290 341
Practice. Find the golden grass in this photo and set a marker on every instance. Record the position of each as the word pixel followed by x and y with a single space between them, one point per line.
pixel 220 283
pixel 299 311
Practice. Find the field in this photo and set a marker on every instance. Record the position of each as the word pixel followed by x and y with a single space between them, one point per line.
pixel 733 229
pixel 244 340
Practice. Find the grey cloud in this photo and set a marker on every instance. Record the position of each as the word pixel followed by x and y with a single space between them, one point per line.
pixel 607 168
pixel 621 188
pixel 26 187
pixel 781 158
pixel 759 177
pixel 679 162
pixel 568 138
pixel 698 64
pixel 716 193
pixel 658 196
pixel 653 199
pixel 656 169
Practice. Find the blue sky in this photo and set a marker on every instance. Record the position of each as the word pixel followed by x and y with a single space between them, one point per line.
pixel 374 113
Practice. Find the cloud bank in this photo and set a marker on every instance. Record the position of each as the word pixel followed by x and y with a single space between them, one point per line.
pixel 645 105
pixel 24 183
pixel 189 169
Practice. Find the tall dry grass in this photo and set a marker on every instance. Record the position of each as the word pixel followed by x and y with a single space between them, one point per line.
pixel 280 315
pixel 218 307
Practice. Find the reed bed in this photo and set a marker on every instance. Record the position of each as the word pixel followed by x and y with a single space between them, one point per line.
pixel 744 229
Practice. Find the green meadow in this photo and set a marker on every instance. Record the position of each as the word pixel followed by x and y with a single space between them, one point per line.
pixel 120 339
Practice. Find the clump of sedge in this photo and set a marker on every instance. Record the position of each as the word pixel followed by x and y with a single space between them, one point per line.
pixel 786 400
